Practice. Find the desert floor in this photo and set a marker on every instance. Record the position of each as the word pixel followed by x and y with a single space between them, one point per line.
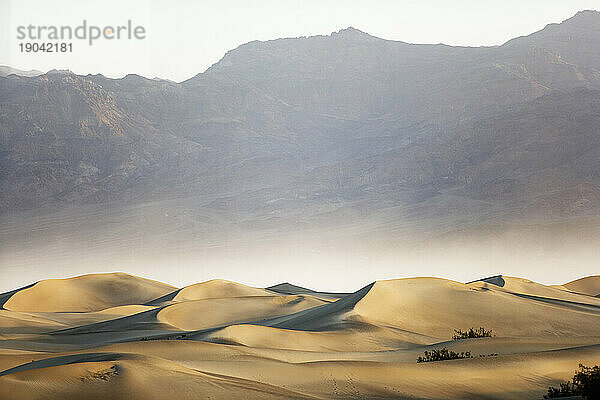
pixel 117 336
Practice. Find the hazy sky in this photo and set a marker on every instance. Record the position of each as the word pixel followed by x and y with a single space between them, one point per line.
pixel 185 37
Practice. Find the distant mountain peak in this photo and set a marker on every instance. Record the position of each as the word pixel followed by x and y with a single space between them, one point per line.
pixel 352 32
pixel 584 25
pixel 594 13
pixel 60 72
pixel 5 70
pixel 585 16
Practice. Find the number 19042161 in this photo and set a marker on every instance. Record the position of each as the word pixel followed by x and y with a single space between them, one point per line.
pixel 48 47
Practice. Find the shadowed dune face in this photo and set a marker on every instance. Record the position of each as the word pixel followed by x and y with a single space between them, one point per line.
pixel 86 293
pixel 224 340
pixel 12 322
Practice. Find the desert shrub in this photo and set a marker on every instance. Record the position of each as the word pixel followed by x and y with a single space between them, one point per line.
pixel 443 354
pixel 565 390
pixel 585 383
pixel 471 333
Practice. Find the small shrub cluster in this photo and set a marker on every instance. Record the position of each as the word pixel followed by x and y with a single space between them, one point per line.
pixel 585 383
pixel 443 354
pixel 471 333
pixel 176 337
pixel 565 390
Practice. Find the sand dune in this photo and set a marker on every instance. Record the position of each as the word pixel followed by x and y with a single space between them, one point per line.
pixel 116 376
pixel 435 307
pixel 326 317
pixel 527 287
pixel 137 339
pixel 217 289
pixel 217 312
pixel 86 293
pixel 136 376
pixel 589 285
pixel 16 322
pixel 347 340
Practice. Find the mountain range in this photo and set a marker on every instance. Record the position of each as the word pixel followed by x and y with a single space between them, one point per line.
pixel 307 132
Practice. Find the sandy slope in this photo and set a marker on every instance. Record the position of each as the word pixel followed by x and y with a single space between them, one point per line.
pixel 435 307
pixel 135 376
pixel 16 322
pixel 218 288
pixel 529 288
pixel 217 312
pixel 589 285
pixel 253 343
pixel 86 293
pixel 256 336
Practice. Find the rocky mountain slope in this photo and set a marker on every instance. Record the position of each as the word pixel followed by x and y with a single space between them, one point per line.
pixel 304 129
